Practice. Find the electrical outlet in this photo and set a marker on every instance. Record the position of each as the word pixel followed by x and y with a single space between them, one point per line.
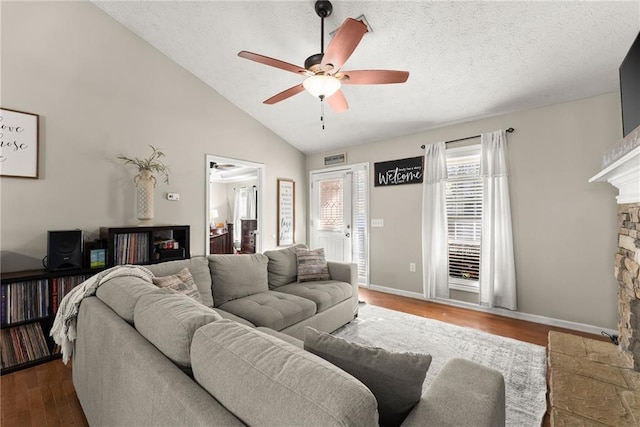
pixel 377 222
pixel 173 196
pixel 412 267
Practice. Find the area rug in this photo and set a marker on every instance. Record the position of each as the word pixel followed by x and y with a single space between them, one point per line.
pixel 523 365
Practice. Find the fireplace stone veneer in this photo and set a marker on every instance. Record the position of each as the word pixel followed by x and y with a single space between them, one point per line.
pixel 624 174
pixel 627 272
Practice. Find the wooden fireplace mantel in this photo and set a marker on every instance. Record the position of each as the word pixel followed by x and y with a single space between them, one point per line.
pixel 624 173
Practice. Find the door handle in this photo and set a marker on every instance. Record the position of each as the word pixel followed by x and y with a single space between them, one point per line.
pixel 348 235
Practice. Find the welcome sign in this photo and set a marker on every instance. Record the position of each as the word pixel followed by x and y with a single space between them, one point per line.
pixel 398 172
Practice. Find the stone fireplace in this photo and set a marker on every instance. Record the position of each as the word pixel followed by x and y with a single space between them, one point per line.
pixel 627 266
pixel 592 382
pixel 621 168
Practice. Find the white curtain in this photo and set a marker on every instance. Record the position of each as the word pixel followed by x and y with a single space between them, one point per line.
pixel 252 202
pixel 497 266
pixel 434 222
pixel 245 206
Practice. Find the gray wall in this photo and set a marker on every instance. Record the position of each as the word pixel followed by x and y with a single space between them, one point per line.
pixel 101 92
pixel 564 228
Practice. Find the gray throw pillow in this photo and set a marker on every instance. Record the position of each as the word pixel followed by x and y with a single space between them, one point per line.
pixel 312 265
pixel 395 379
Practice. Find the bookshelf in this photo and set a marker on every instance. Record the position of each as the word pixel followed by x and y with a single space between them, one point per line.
pixel 28 304
pixel 146 245
pixel 29 300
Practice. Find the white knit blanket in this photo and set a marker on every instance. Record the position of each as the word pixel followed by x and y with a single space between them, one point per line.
pixel 64 331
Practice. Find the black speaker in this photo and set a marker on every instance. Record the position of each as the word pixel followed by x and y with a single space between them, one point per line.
pixel 64 250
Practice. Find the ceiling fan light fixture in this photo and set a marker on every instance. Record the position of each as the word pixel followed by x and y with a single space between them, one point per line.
pixel 321 85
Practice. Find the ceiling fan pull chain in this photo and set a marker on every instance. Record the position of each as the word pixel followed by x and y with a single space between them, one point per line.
pixel 322 111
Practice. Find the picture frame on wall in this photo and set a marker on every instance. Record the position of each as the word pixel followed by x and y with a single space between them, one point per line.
pixel 286 212
pixel 19 152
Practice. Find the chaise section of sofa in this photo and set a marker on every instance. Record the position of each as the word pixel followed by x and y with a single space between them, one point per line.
pixel 263 289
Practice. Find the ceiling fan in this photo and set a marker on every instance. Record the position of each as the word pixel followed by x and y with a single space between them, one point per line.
pixel 323 71
pixel 222 167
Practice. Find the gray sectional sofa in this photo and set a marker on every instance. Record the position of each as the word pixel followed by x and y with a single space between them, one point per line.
pixel 147 356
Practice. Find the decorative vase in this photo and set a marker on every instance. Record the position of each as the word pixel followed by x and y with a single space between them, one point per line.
pixel 145 184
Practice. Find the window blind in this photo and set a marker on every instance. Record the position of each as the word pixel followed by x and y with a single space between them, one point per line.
pixel 464 214
pixel 360 242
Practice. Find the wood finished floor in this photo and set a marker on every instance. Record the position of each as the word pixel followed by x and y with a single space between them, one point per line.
pixel 44 395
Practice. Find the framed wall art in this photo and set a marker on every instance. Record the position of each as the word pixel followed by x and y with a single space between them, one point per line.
pixel 19 134
pixel 286 212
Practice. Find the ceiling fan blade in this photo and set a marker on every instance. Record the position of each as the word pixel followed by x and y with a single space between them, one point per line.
pixel 338 102
pixel 272 62
pixel 343 44
pixel 374 77
pixel 285 94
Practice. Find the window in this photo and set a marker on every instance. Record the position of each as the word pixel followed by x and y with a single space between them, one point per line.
pixel 464 216
pixel 331 205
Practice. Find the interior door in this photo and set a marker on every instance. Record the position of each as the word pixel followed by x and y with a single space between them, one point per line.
pixel 331 214
pixel 226 179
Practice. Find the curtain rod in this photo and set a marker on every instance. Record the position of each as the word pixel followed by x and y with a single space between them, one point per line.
pixel 510 130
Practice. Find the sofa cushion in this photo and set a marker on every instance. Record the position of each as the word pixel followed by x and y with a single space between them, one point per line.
pixel 394 378
pixel 325 294
pixel 312 265
pixel 169 320
pixel 121 294
pixel 228 361
pixel 283 265
pixel 181 283
pixel 236 276
pixel 272 309
pixel 199 269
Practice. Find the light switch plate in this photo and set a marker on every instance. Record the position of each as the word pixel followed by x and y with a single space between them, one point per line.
pixel 377 222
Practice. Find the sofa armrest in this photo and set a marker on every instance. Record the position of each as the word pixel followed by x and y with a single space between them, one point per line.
pixel 346 272
pixel 343 271
pixel 464 393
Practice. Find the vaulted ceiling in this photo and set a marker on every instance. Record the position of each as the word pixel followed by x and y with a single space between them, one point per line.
pixel 467 60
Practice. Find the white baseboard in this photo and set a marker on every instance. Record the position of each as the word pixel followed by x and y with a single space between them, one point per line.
pixel 559 323
pixel 399 292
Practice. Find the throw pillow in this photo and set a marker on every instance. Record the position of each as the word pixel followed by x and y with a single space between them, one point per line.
pixel 181 283
pixel 395 379
pixel 198 267
pixel 312 265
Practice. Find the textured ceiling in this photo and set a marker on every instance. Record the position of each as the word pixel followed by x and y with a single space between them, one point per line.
pixel 467 60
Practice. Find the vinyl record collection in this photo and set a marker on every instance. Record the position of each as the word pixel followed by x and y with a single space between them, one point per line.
pixel 22 344
pixel 132 248
pixel 24 301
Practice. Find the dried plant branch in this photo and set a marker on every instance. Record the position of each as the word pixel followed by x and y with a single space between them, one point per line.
pixel 152 163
